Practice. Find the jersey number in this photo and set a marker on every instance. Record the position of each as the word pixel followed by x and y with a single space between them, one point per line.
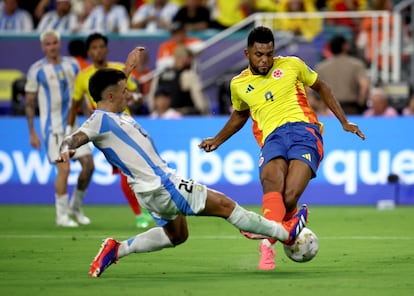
pixel 269 96
pixel 186 185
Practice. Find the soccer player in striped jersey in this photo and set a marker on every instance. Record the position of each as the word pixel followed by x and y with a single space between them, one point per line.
pixel 97 49
pixel 51 80
pixel 271 91
pixel 168 197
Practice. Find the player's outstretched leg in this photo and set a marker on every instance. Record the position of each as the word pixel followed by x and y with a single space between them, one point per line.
pixel 107 255
pixel 154 239
pixel 293 226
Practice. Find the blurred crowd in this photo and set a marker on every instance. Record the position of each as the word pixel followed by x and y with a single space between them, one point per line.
pixel 112 16
pixel 177 89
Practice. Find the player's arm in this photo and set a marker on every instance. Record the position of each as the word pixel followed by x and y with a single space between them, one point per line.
pixel 327 96
pixel 233 125
pixel 30 110
pixel 70 144
pixel 130 64
pixel 132 60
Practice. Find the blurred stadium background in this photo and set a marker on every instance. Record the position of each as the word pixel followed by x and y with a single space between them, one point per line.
pixel 352 173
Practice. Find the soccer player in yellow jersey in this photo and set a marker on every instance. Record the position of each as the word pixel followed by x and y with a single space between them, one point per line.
pixel 272 92
pixel 97 50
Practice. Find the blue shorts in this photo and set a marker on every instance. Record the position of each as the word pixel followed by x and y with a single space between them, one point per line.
pixel 294 140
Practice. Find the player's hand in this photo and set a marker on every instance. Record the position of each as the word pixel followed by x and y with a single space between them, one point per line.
pixel 35 141
pixel 353 128
pixel 208 145
pixel 66 155
pixel 134 56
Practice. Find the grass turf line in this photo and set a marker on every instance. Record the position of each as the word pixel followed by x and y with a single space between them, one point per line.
pixel 363 251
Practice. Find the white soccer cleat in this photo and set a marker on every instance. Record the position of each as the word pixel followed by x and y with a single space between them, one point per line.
pixel 65 221
pixel 80 217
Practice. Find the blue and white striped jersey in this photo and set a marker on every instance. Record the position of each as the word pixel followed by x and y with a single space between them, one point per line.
pixel 54 87
pixel 127 146
pixel 19 21
pixel 116 20
pixel 51 20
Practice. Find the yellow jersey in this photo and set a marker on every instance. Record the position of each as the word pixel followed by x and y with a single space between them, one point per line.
pixel 81 86
pixel 275 98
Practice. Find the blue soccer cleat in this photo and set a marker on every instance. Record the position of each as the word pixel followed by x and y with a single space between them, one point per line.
pixel 295 225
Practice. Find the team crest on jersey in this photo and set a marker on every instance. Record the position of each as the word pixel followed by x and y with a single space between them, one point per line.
pixel 277 74
pixel 61 76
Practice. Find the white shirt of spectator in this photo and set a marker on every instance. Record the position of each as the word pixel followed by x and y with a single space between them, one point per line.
pixel 117 20
pixel 20 21
pixel 51 20
pixel 166 14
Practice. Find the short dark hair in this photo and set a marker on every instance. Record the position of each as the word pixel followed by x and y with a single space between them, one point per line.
pixel 102 79
pixel 77 48
pixel 260 34
pixel 336 44
pixel 95 36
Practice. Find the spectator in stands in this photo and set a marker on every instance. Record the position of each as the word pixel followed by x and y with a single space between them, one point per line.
pixel 77 49
pixel 83 8
pixel 307 28
pixel 30 7
pixel 194 15
pixel 14 19
pixel 61 19
pixel 184 85
pixel 379 105
pixel 37 8
pixel 225 13
pixel 346 5
pixel 409 109
pixel 162 106
pixel 371 47
pixel 154 16
pixel 165 55
pixel 267 5
pixel 108 17
pixel 347 76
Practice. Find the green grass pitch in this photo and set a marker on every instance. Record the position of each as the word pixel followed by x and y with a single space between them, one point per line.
pixel 363 251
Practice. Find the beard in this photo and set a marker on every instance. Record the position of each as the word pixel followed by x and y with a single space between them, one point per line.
pixel 259 71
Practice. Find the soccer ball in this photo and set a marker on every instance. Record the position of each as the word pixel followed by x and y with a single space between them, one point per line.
pixel 304 248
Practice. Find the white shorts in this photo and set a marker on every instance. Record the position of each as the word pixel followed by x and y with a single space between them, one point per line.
pixel 177 197
pixel 53 146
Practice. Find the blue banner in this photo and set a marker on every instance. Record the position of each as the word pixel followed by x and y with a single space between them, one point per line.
pixel 353 172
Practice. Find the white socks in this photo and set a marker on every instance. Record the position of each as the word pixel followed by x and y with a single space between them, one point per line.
pixel 61 203
pixel 252 222
pixel 154 239
pixel 77 199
